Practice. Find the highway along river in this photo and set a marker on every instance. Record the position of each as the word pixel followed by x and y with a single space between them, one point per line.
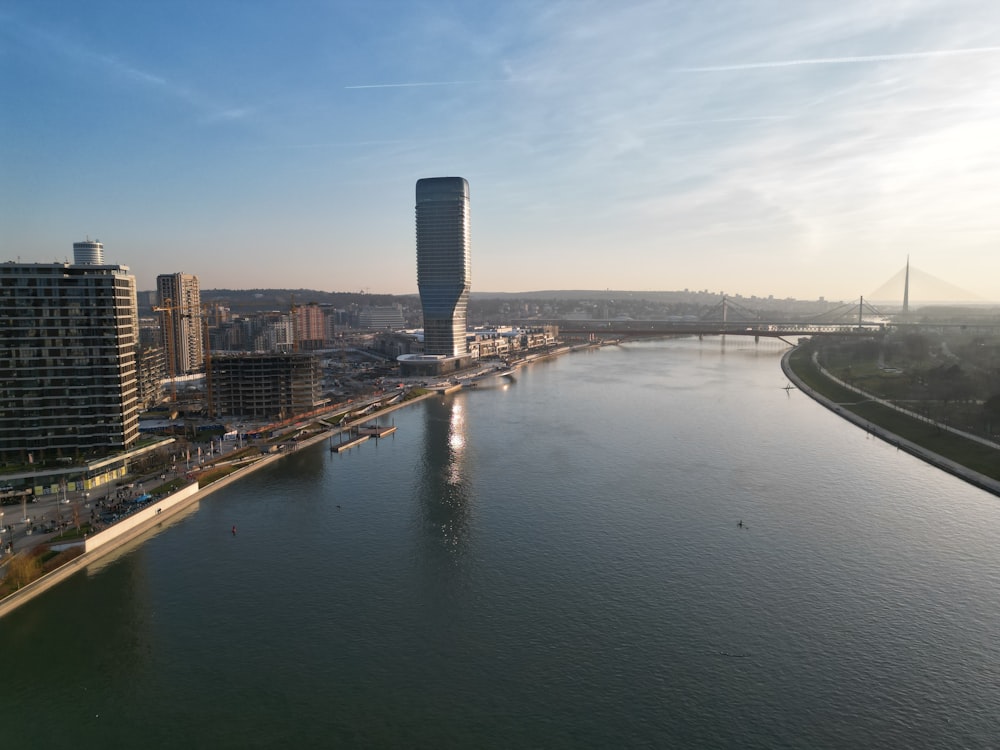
pixel 652 545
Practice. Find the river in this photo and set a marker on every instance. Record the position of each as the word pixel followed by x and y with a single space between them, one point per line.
pixel 553 560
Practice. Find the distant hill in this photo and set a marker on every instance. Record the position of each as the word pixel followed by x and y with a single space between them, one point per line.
pixel 688 296
pixel 282 299
pixel 492 306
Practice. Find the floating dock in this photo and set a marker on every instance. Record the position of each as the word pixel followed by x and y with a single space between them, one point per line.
pixel 375 431
pixel 341 447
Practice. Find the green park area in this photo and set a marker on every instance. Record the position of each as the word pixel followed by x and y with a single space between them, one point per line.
pixel 942 380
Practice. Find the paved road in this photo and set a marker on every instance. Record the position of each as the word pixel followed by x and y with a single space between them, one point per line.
pixel 23 524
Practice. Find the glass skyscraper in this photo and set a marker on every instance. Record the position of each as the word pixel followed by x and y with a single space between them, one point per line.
pixel 444 269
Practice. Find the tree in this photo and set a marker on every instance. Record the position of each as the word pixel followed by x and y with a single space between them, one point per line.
pixel 991 406
pixel 22 570
pixel 917 346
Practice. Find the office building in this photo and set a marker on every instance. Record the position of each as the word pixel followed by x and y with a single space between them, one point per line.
pixel 444 270
pixel 384 318
pixel 180 307
pixel 68 338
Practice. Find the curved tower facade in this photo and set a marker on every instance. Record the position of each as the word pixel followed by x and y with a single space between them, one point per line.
pixel 444 270
pixel 88 253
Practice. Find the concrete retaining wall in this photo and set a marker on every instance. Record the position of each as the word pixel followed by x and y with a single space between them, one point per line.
pixel 972 477
pixel 141 518
pixel 109 540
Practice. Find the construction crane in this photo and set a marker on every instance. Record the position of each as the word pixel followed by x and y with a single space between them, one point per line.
pixel 206 347
pixel 167 308
pixel 170 313
pixel 208 357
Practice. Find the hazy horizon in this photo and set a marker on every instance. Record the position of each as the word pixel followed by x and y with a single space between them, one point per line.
pixel 887 297
pixel 753 147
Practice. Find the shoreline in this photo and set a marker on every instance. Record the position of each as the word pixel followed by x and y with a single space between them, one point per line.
pixel 954 468
pixel 174 510
pixel 189 499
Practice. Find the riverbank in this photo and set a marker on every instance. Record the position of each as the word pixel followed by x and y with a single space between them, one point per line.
pixel 172 507
pixel 945 448
pixel 165 510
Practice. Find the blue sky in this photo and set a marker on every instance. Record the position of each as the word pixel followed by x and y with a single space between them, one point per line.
pixel 763 147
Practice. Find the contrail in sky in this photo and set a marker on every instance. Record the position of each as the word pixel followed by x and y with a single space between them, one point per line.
pixel 838 60
pixel 408 85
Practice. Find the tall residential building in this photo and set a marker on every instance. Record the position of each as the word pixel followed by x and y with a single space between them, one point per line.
pixel 310 327
pixel 444 269
pixel 180 306
pixel 68 338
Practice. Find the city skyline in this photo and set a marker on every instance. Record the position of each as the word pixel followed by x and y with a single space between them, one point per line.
pixel 643 147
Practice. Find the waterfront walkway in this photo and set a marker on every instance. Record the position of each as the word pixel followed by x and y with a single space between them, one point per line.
pixel 963 472
pixel 31 590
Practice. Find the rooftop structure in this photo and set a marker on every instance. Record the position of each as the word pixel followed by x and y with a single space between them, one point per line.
pixel 88 253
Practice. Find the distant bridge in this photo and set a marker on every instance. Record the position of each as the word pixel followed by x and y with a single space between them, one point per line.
pixel 729 318
pixel 757 329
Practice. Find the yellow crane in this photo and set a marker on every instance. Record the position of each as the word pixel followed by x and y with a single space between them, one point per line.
pixel 169 313
pixel 167 325
pixel 208 355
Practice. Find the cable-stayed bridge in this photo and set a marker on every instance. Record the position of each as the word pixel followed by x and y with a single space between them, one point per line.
pixel 728 317
pixel 910 286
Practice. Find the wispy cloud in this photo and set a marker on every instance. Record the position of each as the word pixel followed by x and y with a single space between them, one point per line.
pixel 56 45
pixel 234 113
pixel 681 135
pixel 838 60
pixel 126 70
pixel 417 84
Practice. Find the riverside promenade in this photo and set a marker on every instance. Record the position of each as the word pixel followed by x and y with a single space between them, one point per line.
pixel 963 472
pixel 161 512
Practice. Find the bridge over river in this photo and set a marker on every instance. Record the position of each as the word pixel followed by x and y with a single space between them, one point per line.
pixel 658 328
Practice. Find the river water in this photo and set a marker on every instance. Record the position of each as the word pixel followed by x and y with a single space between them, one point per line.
pixel 549 561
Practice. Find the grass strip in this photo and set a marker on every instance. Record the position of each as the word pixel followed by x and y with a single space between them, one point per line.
pixel 969 453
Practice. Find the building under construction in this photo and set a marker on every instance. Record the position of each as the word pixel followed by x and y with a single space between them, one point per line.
pixel 267 385
pixel 152 372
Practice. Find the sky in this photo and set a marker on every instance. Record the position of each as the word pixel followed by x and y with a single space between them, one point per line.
pixel 764 147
